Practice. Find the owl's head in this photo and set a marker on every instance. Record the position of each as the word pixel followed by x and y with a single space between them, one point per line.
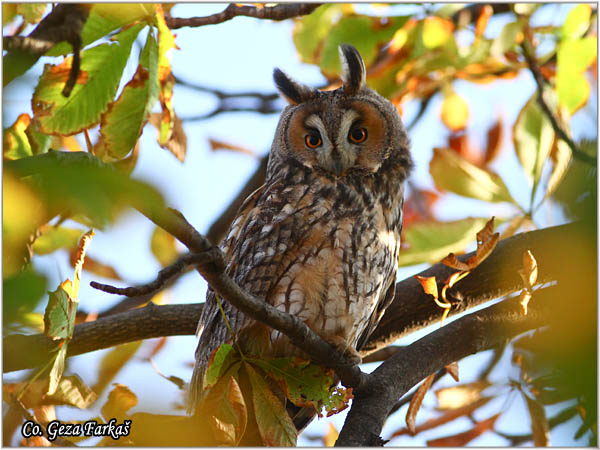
pixel 352 129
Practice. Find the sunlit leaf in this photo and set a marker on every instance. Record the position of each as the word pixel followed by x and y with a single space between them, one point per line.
pixel 539 422
pixel 577 22
pixel 529 272
pixel 436 31
pixel 113 362
pixel 71 391
pixel 32 12
pixel 54 238
pixel 482 20
pixel 415 403
pixel 533 136
pixel 452 370
pixel 220 362
pixel 309 31
pixel 15 142
pixel 120 400
pixel 452 413
pixel 57 369
pixel 432 241
pixel 486 242
pixel 331 436
pixel 97 83
pixel 226 411
pixel 525 9
pixel 429 285
pixel 507 39
pixel 462 439
pixel 9 11
pixel 163 246
pixel 80 183
pixel 460 395
pixel 274 424
pixel 455 112
pixel 59 317
pixel 365 33
pixel 573 58
pixel 524 299
pixel 21 292
pixel 453 173
pixel 560 155
pixel 91 265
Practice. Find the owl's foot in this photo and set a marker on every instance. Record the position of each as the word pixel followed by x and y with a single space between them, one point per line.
pixel 342 346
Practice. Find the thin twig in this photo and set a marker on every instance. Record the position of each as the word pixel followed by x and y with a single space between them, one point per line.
pixel 539 81
pixel 278 12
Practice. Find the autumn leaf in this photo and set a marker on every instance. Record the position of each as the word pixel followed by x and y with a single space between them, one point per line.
pixel 452 370
pixel 163 246
pixel 539 422
pixel 274 424
pixel 415 403
pixel 462 439
pixel 226 410
pixel 455 112
pixel 120 400
pixel 460 395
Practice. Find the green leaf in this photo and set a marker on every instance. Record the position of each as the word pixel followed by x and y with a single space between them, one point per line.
pixel 81 183
pixel 32 12
pixel 59 317
pixel 507 39
pixel 221 361
pixel 53 238
pixel 58 367
pixel 102 20
pixel 113 362
pixel 454 173
pixel 164 246
pixel 122 124
pixel 367 34
pixel 577 22
pixel 274 424
pixel 311 30
pixel 15 142
pixel 533 136
pixel 226 411
pixel 97 83
pixel 432 241
pixel 573 58
pixel 21 293
pixel 303 383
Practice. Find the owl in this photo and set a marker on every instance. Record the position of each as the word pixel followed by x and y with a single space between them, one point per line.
pixel 320 239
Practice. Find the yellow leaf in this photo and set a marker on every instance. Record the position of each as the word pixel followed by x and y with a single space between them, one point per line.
pixel 455 112
pixel 120 400
pixel 436 31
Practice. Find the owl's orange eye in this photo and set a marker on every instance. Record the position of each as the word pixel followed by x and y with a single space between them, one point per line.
pixel 313 140
pixel 357 135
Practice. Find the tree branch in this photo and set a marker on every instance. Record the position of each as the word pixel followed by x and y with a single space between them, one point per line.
pixel 468 335
pixel 562 134
pixel 410 311
pixel 278 12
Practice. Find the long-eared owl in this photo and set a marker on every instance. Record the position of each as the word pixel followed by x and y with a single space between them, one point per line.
pixel 320 238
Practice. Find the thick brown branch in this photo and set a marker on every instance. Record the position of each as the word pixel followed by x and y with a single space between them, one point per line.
pixel 278 12
pixel 470 334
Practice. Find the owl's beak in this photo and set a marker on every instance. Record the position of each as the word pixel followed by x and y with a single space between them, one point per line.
pixel 336 163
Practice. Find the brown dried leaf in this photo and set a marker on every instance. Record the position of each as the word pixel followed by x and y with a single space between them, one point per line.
pixel 429 285
pixel 484 15
pixel 216 145
pixel 449 416
pixel 529 272
pixel 460 395
pixel 539 422
pixel 486 232
pixel 452 370
pixel 415 403
pixel 84 242
pixel 452 261
pixel 494 141
pixel 96 267
pixel 120 400
pixel 462 439
pixel 524 301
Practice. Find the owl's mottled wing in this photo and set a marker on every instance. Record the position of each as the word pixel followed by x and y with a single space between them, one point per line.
pixel 212 329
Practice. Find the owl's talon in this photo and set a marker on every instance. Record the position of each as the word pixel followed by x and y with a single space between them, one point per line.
pixel 346 350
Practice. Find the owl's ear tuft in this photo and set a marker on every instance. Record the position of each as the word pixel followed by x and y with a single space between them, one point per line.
pixel 354 73
pixel 293 91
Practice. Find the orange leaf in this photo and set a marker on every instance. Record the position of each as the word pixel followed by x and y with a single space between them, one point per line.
pixel 462 439
pixel 455 278
pixel 529 272
pixel 120 400
pixel 221 145
pixel 415 403
pixel 460 395
pixel 429 285
pixel 494 141
pixel 539 422
pixel 482 20
pixel 524 301
pixel 452 369
pixel 452 261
